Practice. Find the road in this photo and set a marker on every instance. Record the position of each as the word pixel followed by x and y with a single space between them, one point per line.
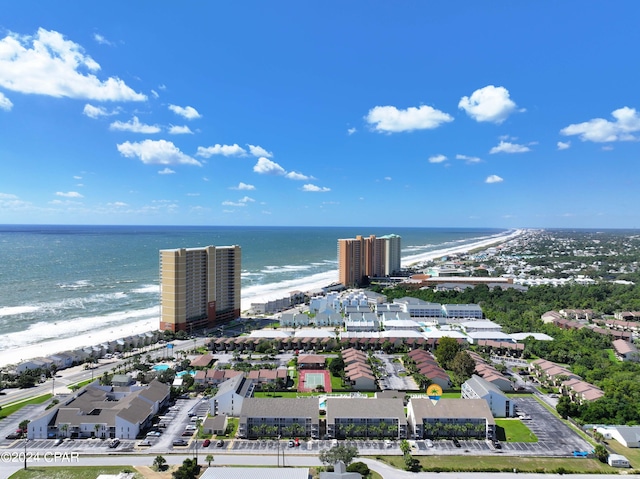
pixel 7 468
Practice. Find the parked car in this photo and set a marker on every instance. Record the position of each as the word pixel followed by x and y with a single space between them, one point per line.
pixel 57 442
pixel 144 442
pixel 180 442
pixel 219 443
pixel 291 443
pixel 114 443
pixel 456 442
pixel 14 435
pixel 206 443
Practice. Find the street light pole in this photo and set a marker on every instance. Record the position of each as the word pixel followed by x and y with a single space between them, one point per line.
pixel 25 453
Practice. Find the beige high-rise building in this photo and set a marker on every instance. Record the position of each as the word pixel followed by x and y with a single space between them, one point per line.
pixel 199 287
pixel 360 257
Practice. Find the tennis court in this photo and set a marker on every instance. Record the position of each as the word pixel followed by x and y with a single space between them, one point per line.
pixel 309 380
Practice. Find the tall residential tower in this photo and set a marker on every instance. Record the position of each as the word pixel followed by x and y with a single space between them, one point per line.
pixel 199 287
pixel 359 258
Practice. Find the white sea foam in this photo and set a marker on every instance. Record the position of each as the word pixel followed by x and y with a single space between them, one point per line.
pixel 16 310
pixel 148 288
pixel 83 283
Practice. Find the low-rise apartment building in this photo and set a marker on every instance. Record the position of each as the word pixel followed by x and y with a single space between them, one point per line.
pixel 284 417
pixel 366 417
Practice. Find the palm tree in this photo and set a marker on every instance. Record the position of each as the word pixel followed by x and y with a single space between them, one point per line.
pixel 209 459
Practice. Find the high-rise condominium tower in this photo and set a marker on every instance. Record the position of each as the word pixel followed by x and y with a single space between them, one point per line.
pixel 359 258
pixel 199 287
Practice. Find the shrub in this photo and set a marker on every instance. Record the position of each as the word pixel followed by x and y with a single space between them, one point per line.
pixel 359 467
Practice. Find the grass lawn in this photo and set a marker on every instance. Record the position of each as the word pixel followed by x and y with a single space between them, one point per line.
pixel 11 408
pixel 513 430
pixel 336 382
pixel 70 472
pixel 612 356
pixel 498 463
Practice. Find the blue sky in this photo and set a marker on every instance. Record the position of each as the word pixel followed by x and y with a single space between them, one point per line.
pixel 462 114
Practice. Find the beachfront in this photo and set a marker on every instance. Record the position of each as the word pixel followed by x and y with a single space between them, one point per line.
pixel 250 295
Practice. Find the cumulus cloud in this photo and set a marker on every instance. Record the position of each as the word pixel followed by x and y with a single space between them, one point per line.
pixel 351 131
pixel 390 119
pixel 508 147
pixel 294 175
pixel 258 151
pixel 180 130
pixel 5 103
pixel 265 166
pixel 564 145
pixel 224 150
pixel 118 204
pixel 97 111
pixel 134 126
pixel 48 64
pixel 243 186
pixel 156 152
pixel 493 179
pixel 626 122
pixel 166 171
pixel 468 159
pixel 490 104
pixel 187 112
pixel 437 159
pixel 315 189
pixel 69 194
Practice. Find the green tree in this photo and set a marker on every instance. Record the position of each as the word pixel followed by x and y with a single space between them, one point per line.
pixel 337 453
pixel 209 459
pixel 359 467
pixel 601 453
pixel 190 469
pixel 159 463
pixel 463 366
pixel 446 350
pixel 336 366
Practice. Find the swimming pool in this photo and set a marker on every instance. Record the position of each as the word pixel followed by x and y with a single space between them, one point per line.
pixel 161 367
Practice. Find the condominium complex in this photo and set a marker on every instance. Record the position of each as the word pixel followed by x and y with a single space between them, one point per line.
pixel 360 258
pixel 199 287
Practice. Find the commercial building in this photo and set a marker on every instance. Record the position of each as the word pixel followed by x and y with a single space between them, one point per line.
pixel 360 258
pixel 199 287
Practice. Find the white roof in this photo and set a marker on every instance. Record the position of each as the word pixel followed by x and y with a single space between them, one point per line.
pixel 538 336
pixel 441 333
pixel 401 323
pixel 402 333
pixel 497 335
pixel 261 472
pixel 269 333
pixel 480 325
pixel 314 333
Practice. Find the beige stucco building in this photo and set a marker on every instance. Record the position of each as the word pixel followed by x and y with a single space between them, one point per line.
pixel 199 287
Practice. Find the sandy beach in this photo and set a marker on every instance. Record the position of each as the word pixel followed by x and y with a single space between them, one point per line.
pixel 249 295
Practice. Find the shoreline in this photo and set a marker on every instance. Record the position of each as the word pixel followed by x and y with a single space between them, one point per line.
pixel 253 294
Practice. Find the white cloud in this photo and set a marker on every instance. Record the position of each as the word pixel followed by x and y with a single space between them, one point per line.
pixel 47 64
pixel 8 196
pixel 98 111
pixel 118 204
pixel 437 159
pixel 490 104
pixel 240 202
pixel 5 103
pixel 180 130
pixel 101 39
pixel 243 186
pixel 351 131
pixel 508 147
pixel 294 175
pixel 264 166
pixel 391 120
pixel 187 112
pixel 469 159
pixel 493 179
pixel 77 177
pixel 69 194
pixel 134 126
pixel 225 150
pixel 599 130
pixel 166 171
pixel 387 178
pixel 564 145
pixel 156 152
pixel 155 94
pixel 315 189
pixel 258 151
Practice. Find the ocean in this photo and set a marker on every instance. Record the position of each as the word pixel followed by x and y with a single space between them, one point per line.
pixel 57 282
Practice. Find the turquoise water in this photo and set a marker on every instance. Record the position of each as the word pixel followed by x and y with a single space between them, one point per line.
pixel 161 367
